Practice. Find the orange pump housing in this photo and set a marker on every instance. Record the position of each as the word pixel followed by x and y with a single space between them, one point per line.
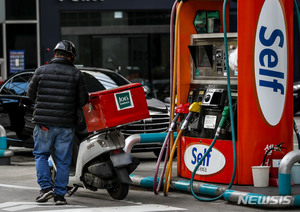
pixel 254 133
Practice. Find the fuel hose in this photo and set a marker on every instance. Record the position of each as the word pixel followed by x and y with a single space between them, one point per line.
pixel 166 143
pixel 298 14
pixel 298 17
pixel 163 148
pixel 194 108
pixel 297 133
pixel 175 71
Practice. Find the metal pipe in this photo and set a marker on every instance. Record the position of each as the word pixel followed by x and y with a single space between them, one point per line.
pixel 260 200
pixel 180 185
pixel 4 152
pixel 131 141
pixel 3 140
pixel 284 172
pixel 143 138
pixel 238 197
pixel 2 131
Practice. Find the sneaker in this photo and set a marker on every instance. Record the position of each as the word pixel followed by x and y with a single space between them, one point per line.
pixel 45 195
pixel 60 200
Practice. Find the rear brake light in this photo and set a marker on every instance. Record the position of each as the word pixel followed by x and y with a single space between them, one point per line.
pixel 116 151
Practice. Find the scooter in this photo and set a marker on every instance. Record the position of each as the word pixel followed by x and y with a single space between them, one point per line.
pixel 101 163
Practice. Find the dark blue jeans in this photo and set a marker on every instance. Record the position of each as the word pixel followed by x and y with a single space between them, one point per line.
pixel 61 139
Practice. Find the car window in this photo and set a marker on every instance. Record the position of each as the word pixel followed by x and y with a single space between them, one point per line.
pixel 92 83
pixel 17 85
pixel 97 81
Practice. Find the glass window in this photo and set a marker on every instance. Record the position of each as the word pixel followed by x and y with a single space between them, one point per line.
pixel 17 85
pixel 1 71
pixel 83 46
pixel 126 54
pixel 92 83
pixel 23 37
pixel 1 41
pixel 160 65
pixel 140 58
pixel 98 81
pixel 114 18
pixel 20 9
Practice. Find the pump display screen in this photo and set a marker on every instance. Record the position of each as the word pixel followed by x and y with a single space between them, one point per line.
pixel 208 58
pixel 204 56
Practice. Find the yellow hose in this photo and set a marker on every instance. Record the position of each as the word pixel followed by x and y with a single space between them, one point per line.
pixel 169 172
pixel 169 167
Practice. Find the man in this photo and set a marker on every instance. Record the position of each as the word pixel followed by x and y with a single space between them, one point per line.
pixel 58 90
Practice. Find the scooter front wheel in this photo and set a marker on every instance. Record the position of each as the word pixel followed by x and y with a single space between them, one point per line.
pixel 119 191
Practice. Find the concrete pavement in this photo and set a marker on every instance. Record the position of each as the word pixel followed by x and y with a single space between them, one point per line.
pixel 21 174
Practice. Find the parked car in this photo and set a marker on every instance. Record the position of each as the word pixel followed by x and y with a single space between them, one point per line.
pixel 15 118
pixel 296 93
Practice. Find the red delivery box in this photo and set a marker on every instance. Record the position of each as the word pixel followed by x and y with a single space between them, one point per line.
pixel 114 107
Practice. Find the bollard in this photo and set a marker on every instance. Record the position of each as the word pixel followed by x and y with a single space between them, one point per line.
pixel 5 153
pixel 284 173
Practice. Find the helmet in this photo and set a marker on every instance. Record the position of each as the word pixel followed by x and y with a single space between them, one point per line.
pixel 66 46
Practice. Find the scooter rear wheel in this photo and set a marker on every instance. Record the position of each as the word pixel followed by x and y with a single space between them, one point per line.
pixel 119 192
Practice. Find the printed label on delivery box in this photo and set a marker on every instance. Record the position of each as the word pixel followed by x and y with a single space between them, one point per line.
pixel 123 100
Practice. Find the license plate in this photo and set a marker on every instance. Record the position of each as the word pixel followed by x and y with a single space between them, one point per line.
pixel 122 159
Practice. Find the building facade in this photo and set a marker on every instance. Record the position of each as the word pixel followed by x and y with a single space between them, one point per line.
pixel 129 36
pixel 19 36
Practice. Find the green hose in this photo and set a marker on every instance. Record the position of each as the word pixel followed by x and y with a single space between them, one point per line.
pixel 298 14
pixel 221 122
pixel 229 95
pixel 297 133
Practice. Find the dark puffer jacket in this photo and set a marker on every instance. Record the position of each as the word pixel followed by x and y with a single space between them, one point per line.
pixel 57 89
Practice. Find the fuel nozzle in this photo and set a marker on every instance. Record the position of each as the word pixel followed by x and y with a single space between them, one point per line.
pixel 181 109
pixel 194 108
pixel 225 115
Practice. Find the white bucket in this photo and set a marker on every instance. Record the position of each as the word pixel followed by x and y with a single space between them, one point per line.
pixel 260 176
pixel 295 172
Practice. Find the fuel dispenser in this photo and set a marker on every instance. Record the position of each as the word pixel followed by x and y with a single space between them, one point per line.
pixel 261 88
pixel 208 85
pixel 208 82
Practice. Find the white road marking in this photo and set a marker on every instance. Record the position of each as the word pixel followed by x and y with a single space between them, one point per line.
pixel 134 208
pixel 131 202
pixel 21 206
pixel 20 187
